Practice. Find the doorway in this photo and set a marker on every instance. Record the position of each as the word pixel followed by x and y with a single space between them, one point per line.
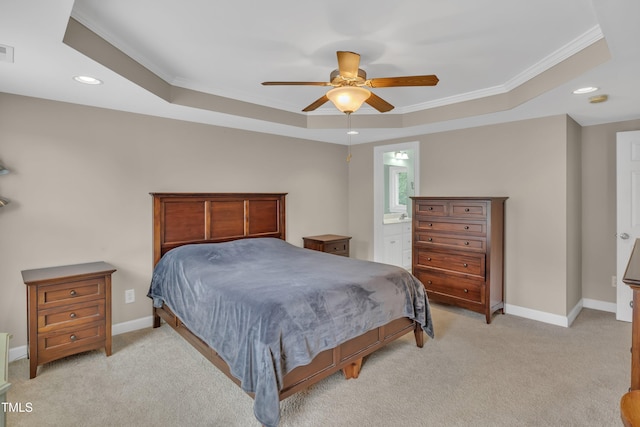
pixel 628 214
pixel 396 177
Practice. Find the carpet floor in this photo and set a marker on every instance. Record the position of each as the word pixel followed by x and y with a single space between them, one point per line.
pixel 514 372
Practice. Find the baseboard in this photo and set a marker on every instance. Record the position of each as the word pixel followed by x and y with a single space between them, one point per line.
pixel 555 319
pixel 540 316
pixel 132 325
pixel 599 305
pixel 117 329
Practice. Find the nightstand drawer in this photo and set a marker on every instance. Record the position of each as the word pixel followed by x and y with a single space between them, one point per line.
pixel 338 248
pixel 55 345
pixel 70 316
pixel 70 292
pixel 329 243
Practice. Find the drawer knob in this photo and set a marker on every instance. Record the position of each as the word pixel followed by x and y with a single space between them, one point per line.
pixel 466 209
pixel 466 291
pixel 73 337
pixel 466 243
pixel 429 282
pixel 72 315
pixel 465 265
pixel 73 292
pixel 430 225
pixel 430 208
pixel 429 259
pixel 430 239
pixel 466 227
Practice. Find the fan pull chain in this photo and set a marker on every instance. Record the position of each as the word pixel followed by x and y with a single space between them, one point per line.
pixel 349 133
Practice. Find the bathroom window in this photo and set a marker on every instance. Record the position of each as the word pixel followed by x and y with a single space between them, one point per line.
pixel 398 189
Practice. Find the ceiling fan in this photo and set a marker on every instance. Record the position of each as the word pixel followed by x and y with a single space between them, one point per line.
pixel 349 82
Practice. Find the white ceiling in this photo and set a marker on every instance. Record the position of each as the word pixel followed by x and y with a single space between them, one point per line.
pixel 477 49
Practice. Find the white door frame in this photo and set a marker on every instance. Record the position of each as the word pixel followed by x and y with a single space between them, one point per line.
pixel 627 214
pixel 378 189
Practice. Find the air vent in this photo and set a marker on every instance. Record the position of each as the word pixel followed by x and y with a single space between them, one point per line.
pixel 6 53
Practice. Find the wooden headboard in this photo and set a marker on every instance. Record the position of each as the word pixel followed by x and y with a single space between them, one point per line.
pixel 186 218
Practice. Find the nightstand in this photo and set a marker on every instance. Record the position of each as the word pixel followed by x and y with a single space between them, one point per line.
pixel 329 243
pixel 68 311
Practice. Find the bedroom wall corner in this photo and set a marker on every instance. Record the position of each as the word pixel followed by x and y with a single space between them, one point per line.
pixel 574 215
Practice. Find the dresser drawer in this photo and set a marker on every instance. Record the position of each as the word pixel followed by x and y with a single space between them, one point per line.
pixel 452 285
pixel 468 209
pixel 71 316
pixel 428 224
pixel 431 208
pixel 450 241
pixel 462 263
pixel 52 346
pixel 71 292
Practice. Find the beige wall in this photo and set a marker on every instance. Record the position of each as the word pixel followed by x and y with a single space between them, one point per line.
pixel 526 161
pixel 81 178
pixel 561 212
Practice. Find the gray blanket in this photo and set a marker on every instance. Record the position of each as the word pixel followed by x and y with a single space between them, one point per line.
pixel 266 306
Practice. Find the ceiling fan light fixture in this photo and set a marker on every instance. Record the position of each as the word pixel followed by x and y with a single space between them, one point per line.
pixel 348 98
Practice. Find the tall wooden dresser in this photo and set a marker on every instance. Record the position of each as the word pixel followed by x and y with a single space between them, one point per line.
pixel 458 251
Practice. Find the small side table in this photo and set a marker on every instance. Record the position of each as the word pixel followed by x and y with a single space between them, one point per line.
pixel 68 311
pixel 329 243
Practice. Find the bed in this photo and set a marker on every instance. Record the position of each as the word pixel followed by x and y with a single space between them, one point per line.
pixel 274 317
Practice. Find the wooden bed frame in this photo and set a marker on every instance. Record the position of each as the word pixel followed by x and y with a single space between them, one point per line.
pixel 188 218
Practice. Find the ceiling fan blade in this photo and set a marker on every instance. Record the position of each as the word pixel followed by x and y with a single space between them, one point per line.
pixel 348 64
pixel 378 103
pixel 296 83
pixel 317 103
pixel 430 80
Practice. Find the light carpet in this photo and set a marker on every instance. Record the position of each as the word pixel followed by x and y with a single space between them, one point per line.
pixel 513 372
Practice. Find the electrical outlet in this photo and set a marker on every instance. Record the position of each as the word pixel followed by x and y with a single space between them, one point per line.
pixel 614 281
pixel 129 296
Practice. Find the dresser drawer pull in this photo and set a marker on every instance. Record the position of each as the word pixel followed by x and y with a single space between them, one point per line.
pixel 466 243
pixel 429 282
pixel 73 292
pixel 73 337
pixel 72 315
pixel 430 239
pixel 429 259
pixel 430 225
pixel 465 265
pixel 430 208
pixel 466 209
pixel 466 227
pixel 466 291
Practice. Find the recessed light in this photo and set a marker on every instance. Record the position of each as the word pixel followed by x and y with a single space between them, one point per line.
pixel 88 80
pixel 352 132
pixel 587 89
